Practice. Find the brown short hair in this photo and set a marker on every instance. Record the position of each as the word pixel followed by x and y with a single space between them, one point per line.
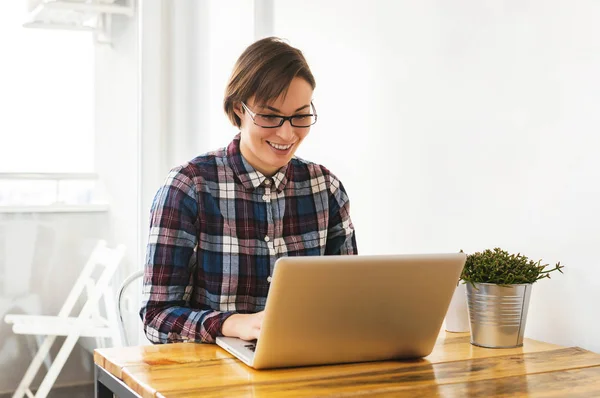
pixel 264 70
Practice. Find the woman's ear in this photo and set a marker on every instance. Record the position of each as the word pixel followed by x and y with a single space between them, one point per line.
pixel 238 110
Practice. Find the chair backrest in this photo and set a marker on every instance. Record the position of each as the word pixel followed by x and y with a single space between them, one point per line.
pixel 104 259
pixel 95 280
pixel 125 306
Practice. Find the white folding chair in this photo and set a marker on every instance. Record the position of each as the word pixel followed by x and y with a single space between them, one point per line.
pixel 94 280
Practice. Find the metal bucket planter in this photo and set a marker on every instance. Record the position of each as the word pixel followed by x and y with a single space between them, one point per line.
pixel 498 314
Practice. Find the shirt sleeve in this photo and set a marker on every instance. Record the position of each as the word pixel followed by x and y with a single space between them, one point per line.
pixel 170 257
pixel 341 238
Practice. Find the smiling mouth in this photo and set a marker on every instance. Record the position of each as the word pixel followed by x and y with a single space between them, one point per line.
pixel 280 147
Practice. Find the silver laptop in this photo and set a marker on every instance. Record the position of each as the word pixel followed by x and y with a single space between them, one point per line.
pixel 341 309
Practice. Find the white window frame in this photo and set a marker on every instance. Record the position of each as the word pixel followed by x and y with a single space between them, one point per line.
pixel 56 207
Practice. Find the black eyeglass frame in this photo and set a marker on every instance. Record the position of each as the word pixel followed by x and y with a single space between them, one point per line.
pixel 282 119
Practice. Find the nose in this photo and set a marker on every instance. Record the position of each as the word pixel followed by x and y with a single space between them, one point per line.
pixel 286 131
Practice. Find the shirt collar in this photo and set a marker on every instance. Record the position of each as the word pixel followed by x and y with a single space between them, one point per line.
pixel 248 175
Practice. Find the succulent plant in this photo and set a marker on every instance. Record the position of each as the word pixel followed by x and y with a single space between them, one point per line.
pixel 502 268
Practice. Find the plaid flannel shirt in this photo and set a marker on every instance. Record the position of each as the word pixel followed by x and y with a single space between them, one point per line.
pixel 217 226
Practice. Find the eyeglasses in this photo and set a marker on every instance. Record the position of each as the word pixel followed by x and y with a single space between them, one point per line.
pixel 274 121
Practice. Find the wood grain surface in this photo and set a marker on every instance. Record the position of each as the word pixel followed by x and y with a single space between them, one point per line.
pixel 455 368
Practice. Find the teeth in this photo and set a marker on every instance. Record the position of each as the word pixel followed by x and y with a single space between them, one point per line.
pixel 282 147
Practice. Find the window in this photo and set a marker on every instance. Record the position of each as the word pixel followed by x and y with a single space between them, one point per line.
pixel 47 102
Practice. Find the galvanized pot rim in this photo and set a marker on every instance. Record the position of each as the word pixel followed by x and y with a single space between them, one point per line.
pixel 496 284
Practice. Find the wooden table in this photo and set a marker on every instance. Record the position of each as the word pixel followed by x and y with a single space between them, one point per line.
pixel 454 369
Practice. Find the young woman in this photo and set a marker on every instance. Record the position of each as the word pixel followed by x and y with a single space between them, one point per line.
pixel 221 221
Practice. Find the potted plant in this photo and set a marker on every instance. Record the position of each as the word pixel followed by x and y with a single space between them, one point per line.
pixel 498 290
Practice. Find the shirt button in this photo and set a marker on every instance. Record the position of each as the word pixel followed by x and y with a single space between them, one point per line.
pixel 267 182
pixel 267 239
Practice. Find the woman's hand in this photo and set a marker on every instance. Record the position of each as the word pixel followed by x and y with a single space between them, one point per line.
pixel 244 326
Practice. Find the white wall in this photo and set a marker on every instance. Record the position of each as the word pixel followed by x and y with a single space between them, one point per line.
pixel 231 31
pixel 466 125
pixel 117 135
